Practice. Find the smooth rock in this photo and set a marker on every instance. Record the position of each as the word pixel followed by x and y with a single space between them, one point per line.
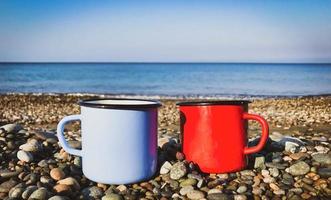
pixel 219 196
pixel 247 173
pixel 8 174
pixel 240 197
pixel 121 188
pixel 184 190
pixel 112 197
pixel 58 198
pixel 325 172
pixel 178 170
pixel 189 181
pixel 299 168
pixel 165 168
pixel 274 172
pixel 242 189
pixel 195 194
pixel 11 128
pixel 259 162
pixel 6 186
pixel 43 163
pixel 57 174
pixel 92 192
pixel 24 156
pixel 28 191
pixel 322 158
pixel 62 189
pixel 46 135
pixel 32 146
pixel 299 155
pixel 70 181
pixel 291 147
pixel 39 194
pixel 16 192
pixel 214 190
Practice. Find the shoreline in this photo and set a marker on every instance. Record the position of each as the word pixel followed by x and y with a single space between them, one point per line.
pixel 170 97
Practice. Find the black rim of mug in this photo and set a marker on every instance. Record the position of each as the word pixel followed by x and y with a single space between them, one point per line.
pixel 211 103
pixel 90 103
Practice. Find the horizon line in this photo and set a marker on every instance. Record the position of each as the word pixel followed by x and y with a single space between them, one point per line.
pixel 151 62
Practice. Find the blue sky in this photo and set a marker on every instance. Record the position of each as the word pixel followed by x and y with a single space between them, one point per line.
pixel 167 31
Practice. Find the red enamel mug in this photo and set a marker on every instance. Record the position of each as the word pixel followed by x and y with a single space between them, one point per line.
pixel 214 134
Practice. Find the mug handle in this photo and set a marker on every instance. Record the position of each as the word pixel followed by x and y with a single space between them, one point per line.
pixel 265 133
pixel 60 135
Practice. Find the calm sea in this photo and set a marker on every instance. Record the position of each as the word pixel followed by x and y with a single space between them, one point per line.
pixel 187 79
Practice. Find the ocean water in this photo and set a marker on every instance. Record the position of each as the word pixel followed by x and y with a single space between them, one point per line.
pixel 176 79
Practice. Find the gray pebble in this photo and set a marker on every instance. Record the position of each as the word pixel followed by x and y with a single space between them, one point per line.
pixel 24 156
pixel 325 172
pixel 16 192
pixel 195 194
pixel 165 168
pixel 322 158
pixel 92 192
pixel 6 186
pixel 178 170
pixel 112 197
pixel 28 191
pixel 189 181
pixel 259 162
pixel 299 168
pixel 58 198
pixel 242 189
pixel 39 194
pixel 8 174
pixel 183 191
pixel 11 128
pixel 219 196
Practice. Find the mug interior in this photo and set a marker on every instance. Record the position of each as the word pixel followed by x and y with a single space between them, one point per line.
pixel 120 103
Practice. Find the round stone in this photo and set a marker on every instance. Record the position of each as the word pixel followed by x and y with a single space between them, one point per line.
pixel 16 192
pixel 299 168
pixel 70 182
pixel 11 128
pixel 31 146
pixel 39 194
pixel 183 191
pixel 274 172
pixel 242 189
pixel 322 158
pixel 112 197
pixel 24 156
pixel 92 192
pixel 58 198
pixel 62 189
pixel 7 185
pixel 57 174
pixel 189 181
pixel 325 172
pixel 195 194
pixel 178 170
pixel 219 196
pixel 28 191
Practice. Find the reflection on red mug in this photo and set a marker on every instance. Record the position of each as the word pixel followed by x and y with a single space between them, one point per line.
pixel 214 134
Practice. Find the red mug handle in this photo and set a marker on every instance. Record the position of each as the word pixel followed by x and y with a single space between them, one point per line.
pixel 265 133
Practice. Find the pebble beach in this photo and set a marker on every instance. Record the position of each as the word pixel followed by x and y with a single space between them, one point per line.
pixel 295 163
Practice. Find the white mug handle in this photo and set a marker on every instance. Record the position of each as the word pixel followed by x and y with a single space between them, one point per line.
pixel 60 135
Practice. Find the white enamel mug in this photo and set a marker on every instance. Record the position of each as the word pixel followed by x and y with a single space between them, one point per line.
pixel 119 139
